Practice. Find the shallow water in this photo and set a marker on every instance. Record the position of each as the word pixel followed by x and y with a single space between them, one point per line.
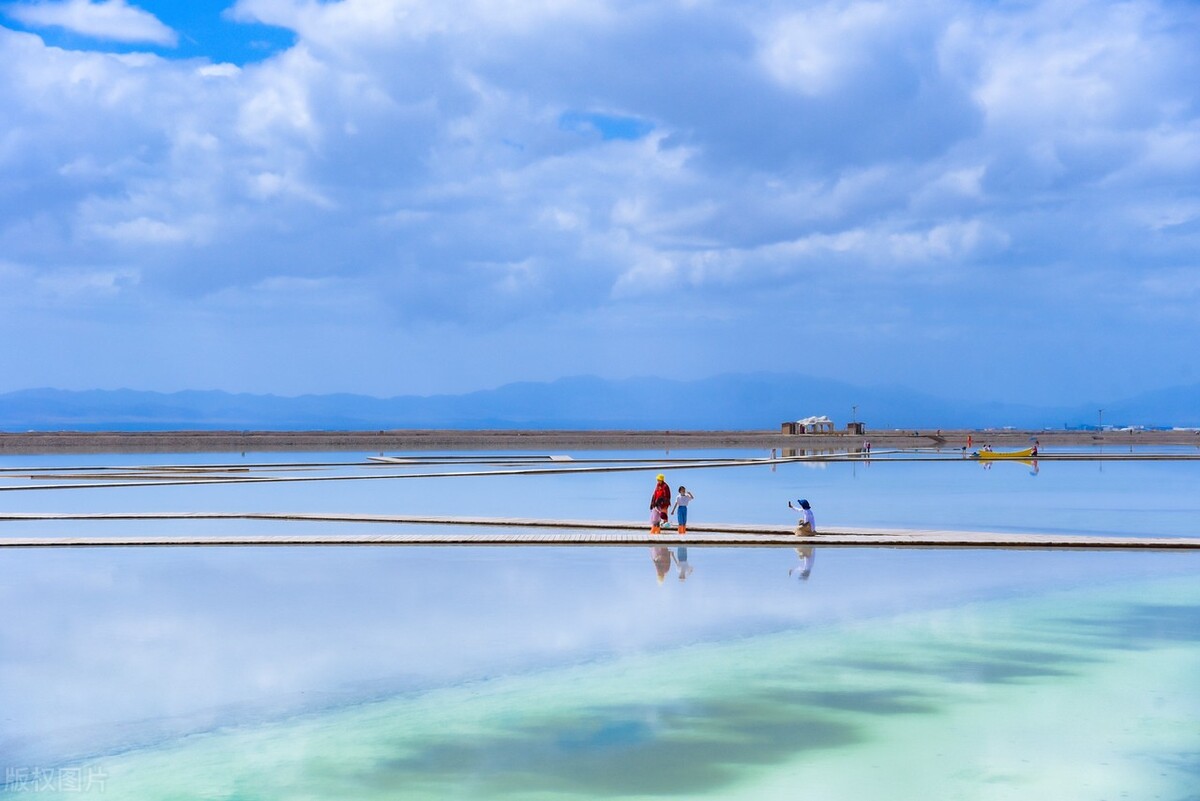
pixel 575 672
pixel 1152 498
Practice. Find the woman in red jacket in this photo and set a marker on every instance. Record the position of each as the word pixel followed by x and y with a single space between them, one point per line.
pixel 660 501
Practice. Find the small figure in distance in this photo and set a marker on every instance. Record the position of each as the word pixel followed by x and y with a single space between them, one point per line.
pixel 1034 450
pixel 807 524
pixel 679 509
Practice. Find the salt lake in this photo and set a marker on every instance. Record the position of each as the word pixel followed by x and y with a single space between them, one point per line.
pixel 562 672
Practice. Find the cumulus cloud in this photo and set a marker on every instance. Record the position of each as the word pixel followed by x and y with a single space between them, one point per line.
pixel 474 165
pixel 109 20
pixel 818 50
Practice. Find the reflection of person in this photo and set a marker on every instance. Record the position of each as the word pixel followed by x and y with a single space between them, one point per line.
pixel 685 568
pixel 807 524
pixel 659 502
pixel 681 506
pixel 803 570
pixel 661 557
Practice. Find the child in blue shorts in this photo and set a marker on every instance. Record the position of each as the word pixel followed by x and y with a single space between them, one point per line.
pixel 680 508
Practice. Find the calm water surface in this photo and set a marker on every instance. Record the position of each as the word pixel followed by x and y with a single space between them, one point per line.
pixel 577 672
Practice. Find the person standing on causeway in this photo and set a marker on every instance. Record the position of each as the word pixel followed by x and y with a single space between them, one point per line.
pixel 680 507
pixel 659 502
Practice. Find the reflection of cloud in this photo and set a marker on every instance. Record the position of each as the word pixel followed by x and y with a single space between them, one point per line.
pixel 138 644
pixel 701 719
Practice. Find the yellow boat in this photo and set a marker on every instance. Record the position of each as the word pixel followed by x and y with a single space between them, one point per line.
pixel 1025 454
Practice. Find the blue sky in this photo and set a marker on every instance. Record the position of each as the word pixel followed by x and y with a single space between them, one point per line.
pixel 977 199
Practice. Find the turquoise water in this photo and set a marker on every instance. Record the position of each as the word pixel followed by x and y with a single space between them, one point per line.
pixel 574 672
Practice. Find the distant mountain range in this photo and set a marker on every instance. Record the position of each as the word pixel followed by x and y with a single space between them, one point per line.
pixel 756 401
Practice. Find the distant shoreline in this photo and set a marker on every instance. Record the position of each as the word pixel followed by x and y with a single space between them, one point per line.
pixel 538 440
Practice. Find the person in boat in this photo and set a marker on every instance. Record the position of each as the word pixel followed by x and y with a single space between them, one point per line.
pixel 680 507
pixel 807 524
pixel 1034 450
pixel 660 501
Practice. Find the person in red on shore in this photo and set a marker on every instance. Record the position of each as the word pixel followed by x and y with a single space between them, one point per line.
pixel 660 501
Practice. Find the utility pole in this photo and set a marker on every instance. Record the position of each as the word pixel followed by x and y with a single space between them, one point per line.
pixel 1101 426
pixel 854 413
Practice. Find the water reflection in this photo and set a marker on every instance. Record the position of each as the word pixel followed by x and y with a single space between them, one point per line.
pixel 1032 464
pixel 876 709
pixel 140 646
pixel 663 557
pixel 681 560
pixel 804 569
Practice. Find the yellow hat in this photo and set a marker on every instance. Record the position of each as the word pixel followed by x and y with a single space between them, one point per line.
pixel 661 477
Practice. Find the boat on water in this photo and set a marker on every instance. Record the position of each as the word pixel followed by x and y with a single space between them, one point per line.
pixel 1027 453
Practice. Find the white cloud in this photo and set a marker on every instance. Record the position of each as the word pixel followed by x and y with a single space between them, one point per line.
pixel 143 231
pixel 953 185
pixel 110 20
pixel 12 278
pixel 1179 285
pixel 219 70
pixel 1081 63
pixel 269 185
pixel 81 283
pixel 1084 86
pixel 341 26
pixel 414 153
pixel 280 100
pixel 25 286
pixel 817 50
pixel 1162 215
pixel 952 241
pixel 867 254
